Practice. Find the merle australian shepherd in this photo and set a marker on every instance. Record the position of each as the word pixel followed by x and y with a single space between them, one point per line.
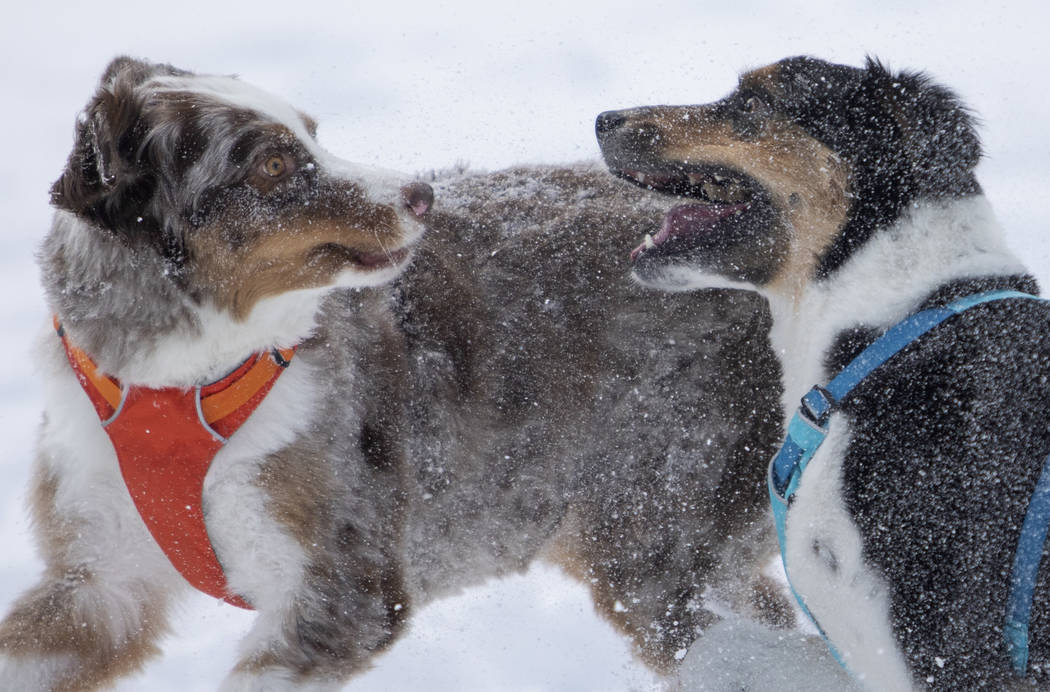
pixel 846 197
pixel 439 411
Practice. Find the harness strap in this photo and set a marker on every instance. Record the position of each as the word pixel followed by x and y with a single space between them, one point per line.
pixel 107 392
pixel 1026 568
pixel 165 440
pixel 808 428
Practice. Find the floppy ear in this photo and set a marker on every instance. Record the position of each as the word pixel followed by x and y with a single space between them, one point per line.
pixel 906 139
pixel 935 139
pixel 109 134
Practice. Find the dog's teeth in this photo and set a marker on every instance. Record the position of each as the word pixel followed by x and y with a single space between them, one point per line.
pixel 711 190
pixel 649 243
pixel 696 178
pixel 641 177
pixel 719 178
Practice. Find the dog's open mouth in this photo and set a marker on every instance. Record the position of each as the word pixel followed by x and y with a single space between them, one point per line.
pixel 367 260
pixel 378 260
pixel 718 193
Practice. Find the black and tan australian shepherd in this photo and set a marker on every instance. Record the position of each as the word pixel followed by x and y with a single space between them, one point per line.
pixel 260 381
pixel 846 197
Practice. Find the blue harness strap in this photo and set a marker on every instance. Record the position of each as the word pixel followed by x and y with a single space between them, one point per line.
pixel 1026 568
pixel 808 428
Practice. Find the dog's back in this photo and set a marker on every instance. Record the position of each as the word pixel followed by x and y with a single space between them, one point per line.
pixel 633 424
pixel 953 435
pixel 512 396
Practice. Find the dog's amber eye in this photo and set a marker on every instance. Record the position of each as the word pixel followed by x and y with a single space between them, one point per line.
pixel 275 166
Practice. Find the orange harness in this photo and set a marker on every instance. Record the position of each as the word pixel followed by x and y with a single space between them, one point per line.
pixel 166 439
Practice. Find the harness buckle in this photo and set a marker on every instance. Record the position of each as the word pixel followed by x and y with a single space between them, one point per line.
pixel 817 405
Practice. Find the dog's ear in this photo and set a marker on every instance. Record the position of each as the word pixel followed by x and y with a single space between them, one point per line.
pixel 930 133
pixel 906 139
pixel 109 133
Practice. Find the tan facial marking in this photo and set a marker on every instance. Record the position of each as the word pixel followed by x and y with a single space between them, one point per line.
pixel 816 221
pixel 764 78
pixel 806 181
pixel 305 249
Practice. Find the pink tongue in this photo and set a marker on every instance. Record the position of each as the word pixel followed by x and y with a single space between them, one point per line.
pixel 689 219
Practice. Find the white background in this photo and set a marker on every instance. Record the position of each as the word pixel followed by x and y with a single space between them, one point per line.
pixel 415 86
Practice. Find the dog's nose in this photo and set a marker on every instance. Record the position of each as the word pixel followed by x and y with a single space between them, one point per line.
pixel 418 197
pixel 607 122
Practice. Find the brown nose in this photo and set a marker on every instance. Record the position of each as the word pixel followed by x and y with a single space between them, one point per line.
pixel 418 197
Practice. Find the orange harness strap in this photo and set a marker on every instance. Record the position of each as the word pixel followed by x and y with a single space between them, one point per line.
pixel 166 439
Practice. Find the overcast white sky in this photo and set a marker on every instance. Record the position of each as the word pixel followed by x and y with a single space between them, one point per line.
pixel 414 86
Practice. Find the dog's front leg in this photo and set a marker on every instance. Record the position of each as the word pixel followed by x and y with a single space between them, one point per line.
pixel 343 616
pixel 329 588
pixel 102 603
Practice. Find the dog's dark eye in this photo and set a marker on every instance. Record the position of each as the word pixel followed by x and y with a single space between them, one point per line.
pixel 275 166
pixel 753 105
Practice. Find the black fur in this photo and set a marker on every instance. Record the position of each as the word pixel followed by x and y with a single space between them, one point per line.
pixel 905 137
pixel 111 178
pixel 948 440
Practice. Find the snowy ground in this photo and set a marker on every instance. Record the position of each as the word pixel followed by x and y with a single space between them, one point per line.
pixel 415 86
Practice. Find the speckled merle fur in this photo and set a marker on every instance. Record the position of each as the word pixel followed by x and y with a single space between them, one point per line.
pixel 604 415
pixel 505 395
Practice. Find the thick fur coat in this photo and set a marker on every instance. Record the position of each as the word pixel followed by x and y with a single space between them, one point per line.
pixel 847 197
pixel 511 396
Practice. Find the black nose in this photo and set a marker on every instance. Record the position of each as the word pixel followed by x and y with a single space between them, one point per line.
pixel 607 122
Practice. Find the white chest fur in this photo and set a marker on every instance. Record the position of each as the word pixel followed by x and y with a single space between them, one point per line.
pixel 261 560
pixel 825 562
pixel 885 281
pixel 937 242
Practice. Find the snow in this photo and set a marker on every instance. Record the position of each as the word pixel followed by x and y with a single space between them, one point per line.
pixel 414 86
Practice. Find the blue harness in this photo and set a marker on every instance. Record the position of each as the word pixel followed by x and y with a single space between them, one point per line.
pixel 809 426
